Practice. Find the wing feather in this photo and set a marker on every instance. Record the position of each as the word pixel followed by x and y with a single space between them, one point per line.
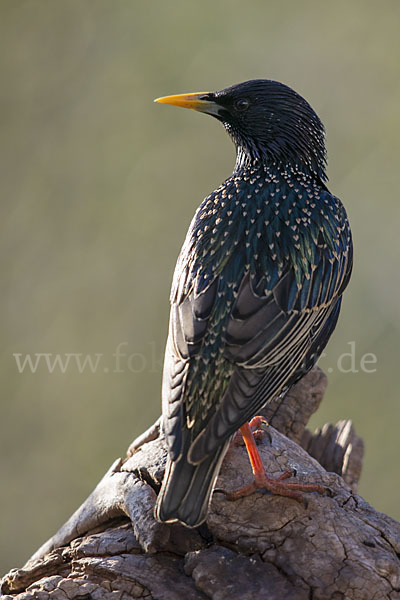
pixel 271 338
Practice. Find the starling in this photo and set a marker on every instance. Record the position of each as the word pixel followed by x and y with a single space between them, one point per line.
pixel 256 291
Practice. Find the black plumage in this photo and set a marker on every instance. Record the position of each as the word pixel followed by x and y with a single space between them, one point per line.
pixel 257 287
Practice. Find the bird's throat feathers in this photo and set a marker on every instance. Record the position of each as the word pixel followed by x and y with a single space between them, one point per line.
pixel 310 154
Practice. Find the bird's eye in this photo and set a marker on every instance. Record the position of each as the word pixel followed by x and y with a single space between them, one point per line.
pixel 242 104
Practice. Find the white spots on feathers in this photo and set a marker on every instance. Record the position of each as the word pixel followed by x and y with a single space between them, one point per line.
pixel 270 219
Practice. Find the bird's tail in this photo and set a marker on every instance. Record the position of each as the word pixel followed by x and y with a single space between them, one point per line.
pixel 186 489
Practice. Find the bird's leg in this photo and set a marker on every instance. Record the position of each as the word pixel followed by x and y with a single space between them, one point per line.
pixel 257 426
pixel 261 479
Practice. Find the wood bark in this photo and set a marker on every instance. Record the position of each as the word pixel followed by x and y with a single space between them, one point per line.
pixel 331 547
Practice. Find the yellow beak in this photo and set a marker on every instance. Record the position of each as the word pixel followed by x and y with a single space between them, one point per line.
pixel 197 101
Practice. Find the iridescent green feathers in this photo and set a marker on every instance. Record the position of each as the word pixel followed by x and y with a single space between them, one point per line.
pixel 288 238
pixel 267 222
pixel 257 287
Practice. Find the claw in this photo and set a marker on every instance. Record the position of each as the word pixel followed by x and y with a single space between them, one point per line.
pixel 261 480
pixel 276 486
pixel 287 474
pixel 258 422
pixel 259 428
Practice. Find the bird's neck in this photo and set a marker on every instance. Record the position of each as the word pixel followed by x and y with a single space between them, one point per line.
pixel 245 161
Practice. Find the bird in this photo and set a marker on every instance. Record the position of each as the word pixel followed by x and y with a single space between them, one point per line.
pixel 256 291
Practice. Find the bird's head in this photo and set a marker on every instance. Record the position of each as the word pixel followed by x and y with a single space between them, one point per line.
pixel 267 120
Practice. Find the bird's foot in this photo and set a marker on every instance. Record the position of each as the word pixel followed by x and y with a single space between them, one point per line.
pixel 261 480
pixel 275 486
pixel 258 426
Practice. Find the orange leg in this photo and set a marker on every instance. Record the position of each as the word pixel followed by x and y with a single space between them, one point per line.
pixel 258 428
pixel 261 479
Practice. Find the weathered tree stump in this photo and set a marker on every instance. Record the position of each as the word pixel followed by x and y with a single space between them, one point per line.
pixel 260 546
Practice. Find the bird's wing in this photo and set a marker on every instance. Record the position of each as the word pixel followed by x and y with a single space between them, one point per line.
pixel 273 340
pixel 268 335
pixel 188 324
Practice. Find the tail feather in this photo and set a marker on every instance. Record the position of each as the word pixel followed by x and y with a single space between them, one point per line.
pixel 186 490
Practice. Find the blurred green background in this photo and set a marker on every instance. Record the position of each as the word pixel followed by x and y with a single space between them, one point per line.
pixel 99 185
